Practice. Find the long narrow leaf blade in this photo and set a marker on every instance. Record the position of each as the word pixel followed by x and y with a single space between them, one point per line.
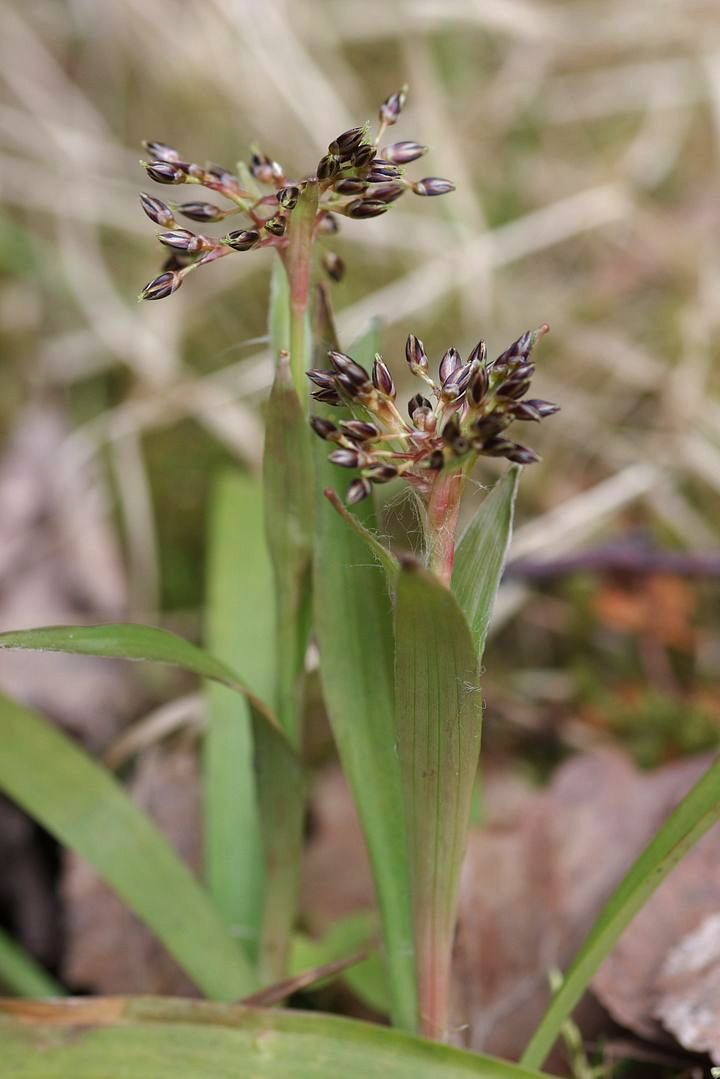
pixel 133 642
pixel 239 632
pixel 439 716
pixel 174 1039
pixel 20 974
pixel 480 556
pixel 82 805
pixel 697 812
pixel 353 623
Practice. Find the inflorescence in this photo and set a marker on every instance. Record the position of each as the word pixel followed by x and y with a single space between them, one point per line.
pixel 355 179
pixel 461 416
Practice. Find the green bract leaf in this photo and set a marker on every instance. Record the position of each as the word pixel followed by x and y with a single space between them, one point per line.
pixel 20 974
pixel 83 806
pixel 385 557
pixel 173 1039
pixel 697 812
pixel 439 717
pixel 480 556
pixel 240 631
pixel 353 622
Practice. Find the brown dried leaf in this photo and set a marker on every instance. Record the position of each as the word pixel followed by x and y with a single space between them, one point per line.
pixel 688 989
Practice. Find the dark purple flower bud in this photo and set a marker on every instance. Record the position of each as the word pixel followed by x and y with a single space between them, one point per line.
pixel 497 447
pixel 328 396
pixel 489 426
pixel 433 185
pixel 346 366
pixel 543 408
pixel 436 460
pixel 222 175
pixel 418 403
pixel 392 107
pixel 359 430
pixel 160 150
pixel 449 363
pixel 327 167
pixel 388 192
pixel 323 428
pixel 477 386
pixel 357 491
pixel 276 225
pixel 362 157
pixel 381 172
pixel 162 286
pixel 478 354
pixel 263 168
pixel 402 153
pixel 364 208
pixel 157 211
pixel 382 379
pixel 523 410
pixel 415 354
pixel 241 239
pixel 183 240
pixel 323 379
pixel 380 473
pixel 451 430
pixel 348 458
pixel 520 350
pixel 288 196
pixel 521 455
pixel 201 211
pixel 346 144
pixel 350 186
pixel 456 383
pixel 165 172
pixel 328 224
pixel 333 265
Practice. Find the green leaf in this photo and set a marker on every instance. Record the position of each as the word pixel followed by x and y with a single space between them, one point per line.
pixel 353 624
pixel 480 556
pixel 697 812
pixel 184 1039
pixel 279 310
pixel 128 641
pixel 240 632
pixel 384 556
pixel 439 718
pixel 20 974
pixel 83 806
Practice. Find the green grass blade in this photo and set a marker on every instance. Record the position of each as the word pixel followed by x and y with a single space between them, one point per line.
pixel 184 1039
pixel 240 632
pixel 385 557
pixel 439 716
pixel 353 623
pixel 697 812
pixel 83 806
pixel 480 556
pixel 128 641
pixel 20 974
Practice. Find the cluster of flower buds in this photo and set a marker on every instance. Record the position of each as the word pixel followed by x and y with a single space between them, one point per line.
pixel 462 415
pixel 356 178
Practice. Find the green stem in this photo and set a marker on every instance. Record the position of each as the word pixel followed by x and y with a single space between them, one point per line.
pixel 298 258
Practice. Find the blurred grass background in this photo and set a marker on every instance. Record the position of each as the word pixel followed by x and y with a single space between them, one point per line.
pixel 583 139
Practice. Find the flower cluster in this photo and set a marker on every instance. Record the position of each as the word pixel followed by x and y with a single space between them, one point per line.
pixel 356 178
pixel 461 416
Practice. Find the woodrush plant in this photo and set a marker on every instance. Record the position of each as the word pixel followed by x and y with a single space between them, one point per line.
pixel 401 637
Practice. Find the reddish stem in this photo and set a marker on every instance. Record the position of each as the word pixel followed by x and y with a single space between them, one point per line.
pixel 442 509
